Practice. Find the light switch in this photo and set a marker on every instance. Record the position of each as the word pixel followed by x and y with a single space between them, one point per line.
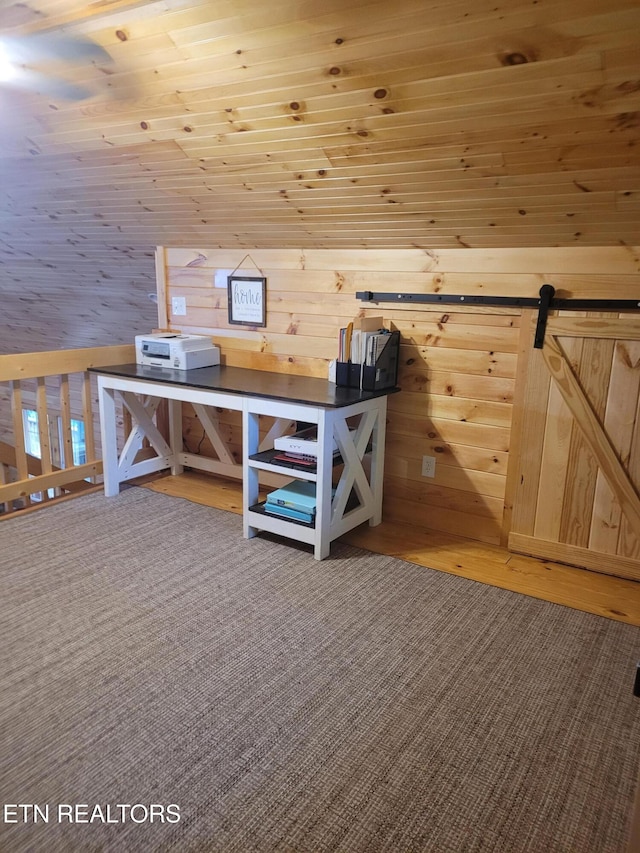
pixel 178 306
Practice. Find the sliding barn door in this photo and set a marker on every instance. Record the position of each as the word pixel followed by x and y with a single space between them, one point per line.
pixel 578 449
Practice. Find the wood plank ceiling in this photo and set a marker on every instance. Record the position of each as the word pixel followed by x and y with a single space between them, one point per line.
pixel 341 123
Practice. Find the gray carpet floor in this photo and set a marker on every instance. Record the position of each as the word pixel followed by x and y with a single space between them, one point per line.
pixel 153 661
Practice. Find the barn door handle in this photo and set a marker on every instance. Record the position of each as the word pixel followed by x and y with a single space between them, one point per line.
pixel 547 292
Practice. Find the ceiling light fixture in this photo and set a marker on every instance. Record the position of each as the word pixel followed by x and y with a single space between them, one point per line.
pixel 7 67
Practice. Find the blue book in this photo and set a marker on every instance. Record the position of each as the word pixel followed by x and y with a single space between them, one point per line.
pixel 298 495
pixel 287 512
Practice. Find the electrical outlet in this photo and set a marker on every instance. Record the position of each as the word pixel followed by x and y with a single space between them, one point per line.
pixel 178 306
pixel 428 466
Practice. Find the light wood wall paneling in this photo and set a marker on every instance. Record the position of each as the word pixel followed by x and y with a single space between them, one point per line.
pixel 475 505
pixel 457 385
pixel 488 439
pixel 452 408
pixel 162 296
pixel 461 366
pixel 469 361
pixel 446 520
pixel 570 261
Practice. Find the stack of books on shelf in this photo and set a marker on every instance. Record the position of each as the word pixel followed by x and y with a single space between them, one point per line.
pixel 296 500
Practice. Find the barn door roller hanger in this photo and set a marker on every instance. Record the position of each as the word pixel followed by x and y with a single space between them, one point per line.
pixel 546 302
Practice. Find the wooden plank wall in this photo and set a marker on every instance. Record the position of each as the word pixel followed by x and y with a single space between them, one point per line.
pixel 72 298
pixel 459 366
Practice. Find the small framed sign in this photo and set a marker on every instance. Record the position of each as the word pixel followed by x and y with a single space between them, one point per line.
pixel 247 300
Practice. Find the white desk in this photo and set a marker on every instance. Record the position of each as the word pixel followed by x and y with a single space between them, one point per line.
pixel 358 491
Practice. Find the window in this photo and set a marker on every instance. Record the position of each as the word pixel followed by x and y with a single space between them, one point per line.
pixel 33 448
pixel 77 441
pixel 31 434
pixel 32 445
pixel 32 438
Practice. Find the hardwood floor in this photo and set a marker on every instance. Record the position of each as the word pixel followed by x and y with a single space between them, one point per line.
pixel 602 595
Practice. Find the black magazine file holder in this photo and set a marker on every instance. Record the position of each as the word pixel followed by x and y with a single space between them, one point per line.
pixel 384 374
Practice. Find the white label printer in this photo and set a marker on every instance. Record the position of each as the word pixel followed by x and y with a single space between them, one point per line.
pixel 181 352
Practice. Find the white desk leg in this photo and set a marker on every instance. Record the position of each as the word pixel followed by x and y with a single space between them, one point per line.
pixel 377 461
pixel 109 438
pixel 175 435
pixel 250 484
pixel 322 544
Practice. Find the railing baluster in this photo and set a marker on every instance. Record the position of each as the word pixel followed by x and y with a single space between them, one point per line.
pixel 4 479
pixel 65 415
pixel 87 415
pixel 22 467
pixel 46 459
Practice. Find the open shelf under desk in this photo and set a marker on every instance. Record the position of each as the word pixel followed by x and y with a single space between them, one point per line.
pixel 267 457
pixel 260 508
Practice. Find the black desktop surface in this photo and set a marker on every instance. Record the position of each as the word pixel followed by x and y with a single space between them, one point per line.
pixel 255 383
